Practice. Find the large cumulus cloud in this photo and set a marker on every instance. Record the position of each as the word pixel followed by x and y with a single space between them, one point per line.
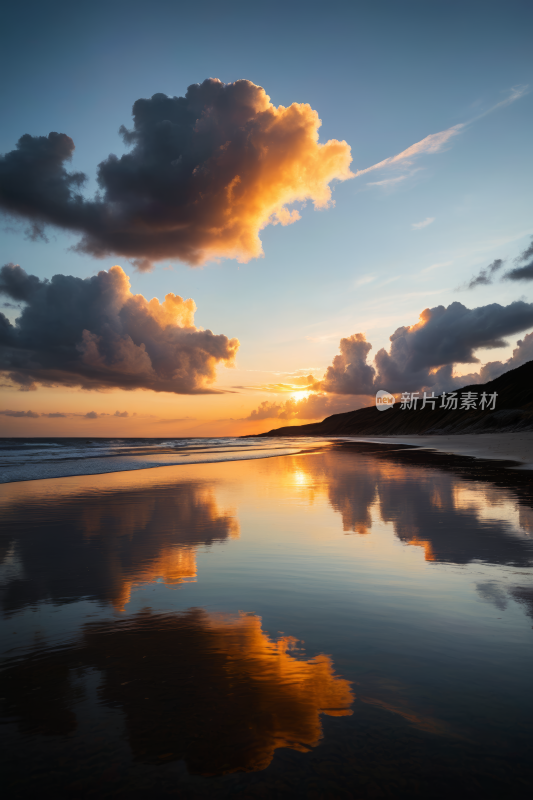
pixel 95 333
pixel 205 174
pixel 421 357
pixel 424 354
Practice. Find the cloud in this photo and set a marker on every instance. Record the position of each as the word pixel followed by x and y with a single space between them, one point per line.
pixel 206 173
pixel 349 369
pixel 316 406
pixel 486 275
pixel 96 334
pixel 422 356
pixel 435 142
pixel 91 415
pixel 522 353
pixel 294 384
pixel 418 225
pixel 8 413
pixel 387 182
pixel 522 273
pixel 121 414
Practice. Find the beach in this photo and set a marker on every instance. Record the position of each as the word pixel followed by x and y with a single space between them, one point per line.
pixel 326 623
pixel 516 447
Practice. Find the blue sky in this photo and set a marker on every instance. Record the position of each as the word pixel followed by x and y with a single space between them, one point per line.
pixel 381 76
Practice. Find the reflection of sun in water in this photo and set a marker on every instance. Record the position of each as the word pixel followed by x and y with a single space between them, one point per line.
pixel 300 478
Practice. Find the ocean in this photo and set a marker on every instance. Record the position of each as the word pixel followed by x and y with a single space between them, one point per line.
pixel 33 459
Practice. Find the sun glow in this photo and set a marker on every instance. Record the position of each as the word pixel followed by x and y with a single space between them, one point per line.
pixel 300 394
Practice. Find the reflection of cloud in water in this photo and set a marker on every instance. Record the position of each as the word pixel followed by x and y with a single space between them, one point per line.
pixel 213 690
pixel 102 546
pixel 497 594
pixel 452 520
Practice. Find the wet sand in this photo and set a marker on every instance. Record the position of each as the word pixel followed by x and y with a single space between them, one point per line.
pixel 516 447
pixel 349 622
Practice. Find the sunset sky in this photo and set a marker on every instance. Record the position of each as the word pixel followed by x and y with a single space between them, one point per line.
pixel 352 171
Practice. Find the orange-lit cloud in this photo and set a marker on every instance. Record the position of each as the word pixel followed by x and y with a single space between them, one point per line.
pixel 315 406
pixel 295 383
pixel 206 173
pixel 96 334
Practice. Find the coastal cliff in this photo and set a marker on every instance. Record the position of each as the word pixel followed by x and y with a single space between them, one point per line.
pixel 513 412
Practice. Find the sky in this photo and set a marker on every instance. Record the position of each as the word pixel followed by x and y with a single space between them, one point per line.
pixel 334 177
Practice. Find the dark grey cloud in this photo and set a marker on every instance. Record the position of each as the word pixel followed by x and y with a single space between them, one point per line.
pixel 349 369
pixel 95 333
pixel 522 353
pixel 205 174
pixel 423 355
pixel 8 413
pixel 520 273
pixel 91 415
pixel 486 275
pixel 524 273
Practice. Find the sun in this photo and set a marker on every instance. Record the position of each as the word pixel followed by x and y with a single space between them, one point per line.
pixel 302 394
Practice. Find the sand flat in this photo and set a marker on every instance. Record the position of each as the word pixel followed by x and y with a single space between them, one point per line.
pixel 498 446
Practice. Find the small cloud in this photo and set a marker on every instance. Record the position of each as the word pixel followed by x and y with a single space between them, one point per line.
pixel 524 273
pixel 54 415
pixel 8 413
pixel 486 275
pixel 364 280
pixel 416 226
pixel 436 266
pixel 436 142
pixel 91 415
pixel 298 383
pixel 324 338
pixel 433 143
pixel 388 181
pixel 121 413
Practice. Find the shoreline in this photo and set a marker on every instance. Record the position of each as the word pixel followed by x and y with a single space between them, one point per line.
pixel 512 452
pixel 515 447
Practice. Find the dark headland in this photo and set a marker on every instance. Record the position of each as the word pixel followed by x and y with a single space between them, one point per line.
pixel 513 413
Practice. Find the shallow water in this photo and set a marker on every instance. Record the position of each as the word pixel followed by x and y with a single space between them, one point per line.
pixel 326 625
pixel 34 459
